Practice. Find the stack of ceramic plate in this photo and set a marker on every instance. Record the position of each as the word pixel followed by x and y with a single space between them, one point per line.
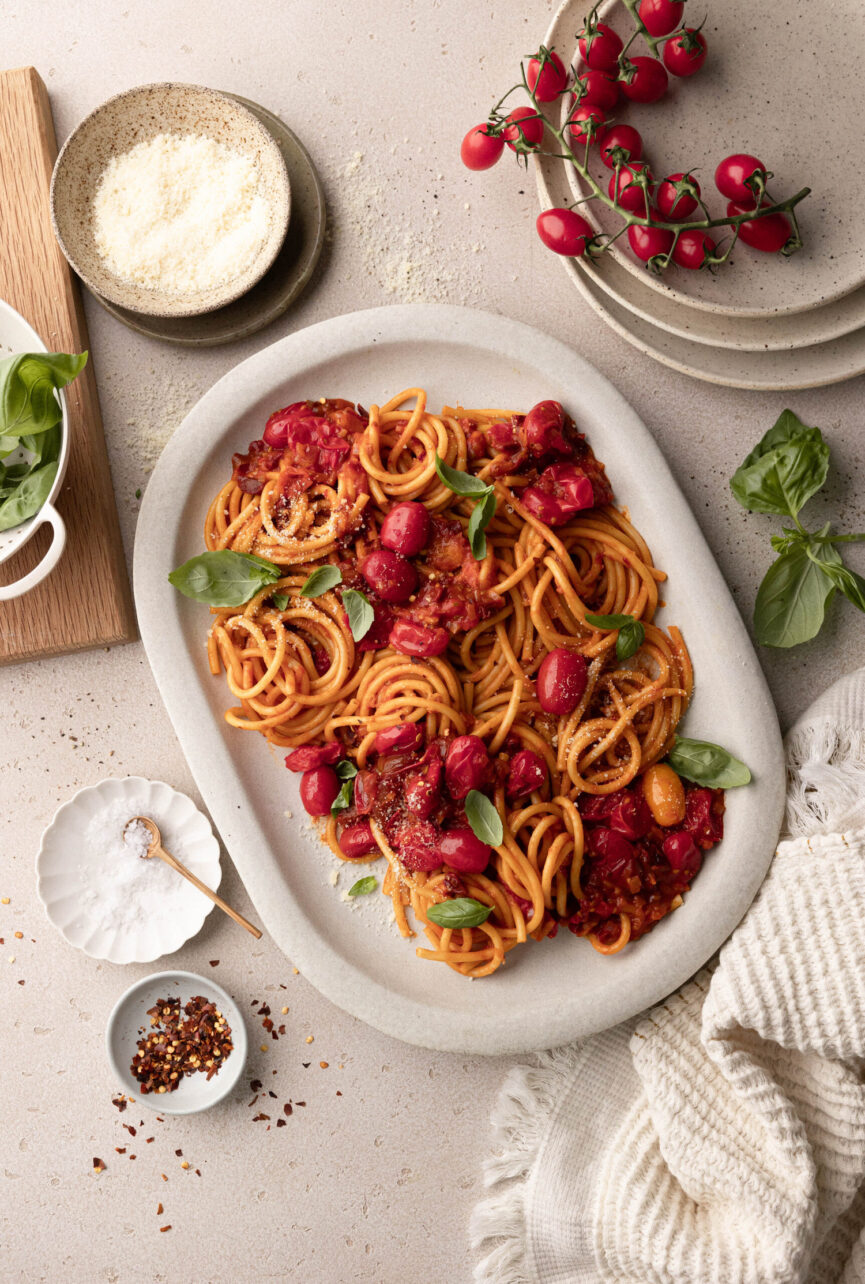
pixel 760 321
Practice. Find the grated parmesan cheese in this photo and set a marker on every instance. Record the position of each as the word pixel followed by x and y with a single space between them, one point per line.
pixel 180 213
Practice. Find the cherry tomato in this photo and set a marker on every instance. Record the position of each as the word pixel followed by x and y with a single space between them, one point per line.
pixel 546 77
pixel 309 756
pixel 318 789
pixel 418 639
pixel 675 207
pixel 531 124
pixel 731 178
pixel 562 679
pixel 600 48
pixel 660 17
pixel 462 850
pixel 389 575
pixel 417 846
pixel 631 196
pixel 646 242
pixel 542 429
pixel 357 840
pixel 682 852
pixel 664 792
pixel 684 55
pixel 648 83
pixel 479 150
pixel 406 528
pixel 585 111
pixel 769 233
pixel 600 89
pixel 466 765
pixel 527 772
pixel 623 136
pixel 404 736
pixel 692 248
pixel 562 490
pixel 564 232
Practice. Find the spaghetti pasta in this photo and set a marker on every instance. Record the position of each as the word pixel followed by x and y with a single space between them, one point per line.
pixel 447 688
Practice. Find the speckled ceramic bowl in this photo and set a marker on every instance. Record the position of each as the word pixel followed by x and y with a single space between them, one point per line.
pixel 136 116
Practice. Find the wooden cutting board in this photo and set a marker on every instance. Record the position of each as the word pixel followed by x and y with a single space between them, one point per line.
pixel 86 601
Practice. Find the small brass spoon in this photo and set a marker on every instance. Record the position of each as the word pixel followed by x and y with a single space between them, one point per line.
pixel 156 849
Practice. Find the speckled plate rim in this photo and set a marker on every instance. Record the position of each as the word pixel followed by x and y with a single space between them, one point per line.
pixel 168 944
pixel 315 218
pixel 542 1000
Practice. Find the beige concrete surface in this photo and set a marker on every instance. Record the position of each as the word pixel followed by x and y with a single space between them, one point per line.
pixel 374 1184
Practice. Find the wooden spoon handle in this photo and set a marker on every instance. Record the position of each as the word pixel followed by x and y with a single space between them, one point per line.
pixel 202 887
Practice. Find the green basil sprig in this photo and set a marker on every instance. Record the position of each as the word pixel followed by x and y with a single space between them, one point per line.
pixel 484 510
pixel 707 764
pixel 360 613
pixel 462 911
pixel 485 821
pixel 280 601
pixel 786 469
pixel 631 632
pixel 223 577
pixel 363 886
pixel 321 579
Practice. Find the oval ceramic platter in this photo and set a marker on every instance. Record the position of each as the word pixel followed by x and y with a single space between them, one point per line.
pixel 546 994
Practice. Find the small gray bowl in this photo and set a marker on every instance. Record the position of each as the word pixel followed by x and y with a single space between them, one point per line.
pixel 129 1014
pixel 136 116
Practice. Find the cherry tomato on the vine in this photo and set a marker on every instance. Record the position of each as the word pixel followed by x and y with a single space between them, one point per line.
pixel 676 206
pixel 631 196
pixel 479 150
pixel 546 77
pixel 648 83
pixel 527 120
pixel 731 178
pixel 693 248
pixel 660 17
pixel 599 89
pixel 600 47
pixel 564 231
pixel 769 233
pixel 684 55
pixel 578 117
pixel 623 136
pixel 647 242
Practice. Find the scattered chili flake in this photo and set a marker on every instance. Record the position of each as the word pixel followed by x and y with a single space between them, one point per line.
pixel 255 1084
pixel 306 1064
pixel 164 1178
pixel 264 1010
pixel 179 1153
pixel 296 971
pixel 310 1038
pixel 280 1123
pixel 119 1102
pixel 4 900
pixel 214 962
pixel 185 1164
pixel 198 1172
pixel 324 1064
pixel 21 983
pixel 284 1012
pixel 287 1107
pixel 121 1150
pixel 338 1093
pixel 165 1228
pixel 98 1165
pixel 147 1140
pixel 259 1116
pixel 129 1128
pixel 271 1093
pixel 131 1156
pixel 159 1210
pixel 19 936
pixel 282 1029
pixel 264 1047
pixel 198 1041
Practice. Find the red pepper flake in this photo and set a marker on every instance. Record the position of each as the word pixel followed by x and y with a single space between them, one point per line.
pixel 287 1108
pixel 165 1228
pixel 98 1165
pixel 198 1172
pixel 147 1140
pixel 306 1064
pixel 179 1154
pixel 300 1103
pixel 159 1210
pixel 324 1064
pixel 267 1023
pixel 252 1103
pixel 255 1084
pixel 259 1116
pixel 131 1156
pixel 198 1041
pixel 22 982
pixel 264 1010
pixel 121 1150
pixel 164 1178
pixel 271 1093
pixel 338 1093
pixel 129 1128
pixel 119 1102
pixel 214 962
pixel 282 1029
pixel 280 1123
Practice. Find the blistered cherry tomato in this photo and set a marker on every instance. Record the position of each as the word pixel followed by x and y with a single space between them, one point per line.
pixel 546 77
pixel 418 639
pixel 527 120
pixel 731 178
pixel 365 790
pixel 769 233
pixel 682 852
pixel 422 793
pixel 479 150
pixel 405 530
pixel 404 736
pixel 280 425
pixel 466 765
pixel 562 491
pixel 564 232
pixel 673 206
pixel 577 122
pixel 648 83
pixel 562 679
pixel 660 17
pixel 542 429
pixel 646 242
pixel 389 575
pixel 664 792
pixel 309 756
pixel 417 846
pixel 600 50
pixel 693 248
pixel 527 772
pixel 684 55
pixel 613 856
pixel 460 849
pixel 600 89
pixel 357 840
pixel 631 196
pixel 622 136
pixel 629 815
pixel 318 789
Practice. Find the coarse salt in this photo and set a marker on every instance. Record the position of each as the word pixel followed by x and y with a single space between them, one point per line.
pixel 180 213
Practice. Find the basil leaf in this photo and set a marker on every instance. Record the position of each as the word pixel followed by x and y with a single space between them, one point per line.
pixel 459 483
pixel 792 600
pixel 784 470
pixel 28 497
pixel 360 613
pixel 482 514
pixel 485 821
pixel 280 601
pixel 630 639
pixel 610 621
pixel 27 390
pixel 462 911
pixel 850 584
pixel 363 886
pixel 345 769
pixel 344 798
pixel 707 764
pixel 223 577
pixel 322 579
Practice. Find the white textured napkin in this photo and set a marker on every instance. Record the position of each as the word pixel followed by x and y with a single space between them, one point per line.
pixel 720 1139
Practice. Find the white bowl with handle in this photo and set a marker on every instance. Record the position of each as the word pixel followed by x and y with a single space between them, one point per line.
pixel 17 335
